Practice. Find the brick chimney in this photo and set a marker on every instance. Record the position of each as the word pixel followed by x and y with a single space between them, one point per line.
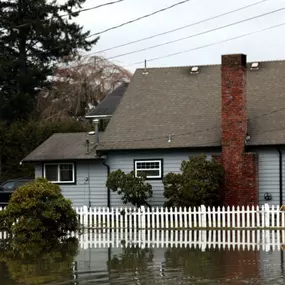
pixel 241 187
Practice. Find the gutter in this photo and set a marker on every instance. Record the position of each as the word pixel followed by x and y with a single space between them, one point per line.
pixel 280 176
pixel 98 117
pixel 108 189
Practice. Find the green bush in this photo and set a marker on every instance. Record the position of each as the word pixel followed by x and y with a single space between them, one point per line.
pixel 199 183
pixel 133 189
pixel 40 210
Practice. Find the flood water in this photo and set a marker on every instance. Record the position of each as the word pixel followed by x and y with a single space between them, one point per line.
pixel 196 257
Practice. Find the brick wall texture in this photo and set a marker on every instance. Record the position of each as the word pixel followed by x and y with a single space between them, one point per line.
pixel 240 187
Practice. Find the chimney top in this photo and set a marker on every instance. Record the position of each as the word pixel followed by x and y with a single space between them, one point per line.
pixel 234 60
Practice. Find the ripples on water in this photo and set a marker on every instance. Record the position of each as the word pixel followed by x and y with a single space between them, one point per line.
pixel 220 257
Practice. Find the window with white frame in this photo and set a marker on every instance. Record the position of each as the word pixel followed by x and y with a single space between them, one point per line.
pixel 152 169
pixel 59 172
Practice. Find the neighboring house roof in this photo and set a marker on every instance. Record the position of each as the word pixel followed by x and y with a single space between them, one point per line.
pixel 63 146
pixel 165 102
pixel 109 105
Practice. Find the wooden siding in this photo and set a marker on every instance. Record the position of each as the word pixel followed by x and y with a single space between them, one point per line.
pixel 90 189
pixel 171 163
pixel 268 166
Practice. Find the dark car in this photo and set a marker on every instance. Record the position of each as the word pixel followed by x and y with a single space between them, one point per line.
pixel 8 187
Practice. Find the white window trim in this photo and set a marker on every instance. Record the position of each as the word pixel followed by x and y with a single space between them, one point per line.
pixel 149 169
pixel 58 172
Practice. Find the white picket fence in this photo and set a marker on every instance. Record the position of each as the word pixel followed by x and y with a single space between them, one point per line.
pixel 254 217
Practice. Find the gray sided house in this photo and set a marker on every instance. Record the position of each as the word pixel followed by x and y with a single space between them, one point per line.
pixel 235 111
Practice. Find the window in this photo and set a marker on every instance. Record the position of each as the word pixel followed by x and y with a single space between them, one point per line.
pixel 8 186
pixel 60 172
pixel 152 169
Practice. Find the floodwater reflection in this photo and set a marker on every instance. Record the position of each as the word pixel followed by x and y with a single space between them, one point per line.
pixel 151 257
pixel 37 262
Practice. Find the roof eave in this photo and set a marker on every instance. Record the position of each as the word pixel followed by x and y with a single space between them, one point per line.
pixel 159 148
pixel 60 159
pixel 98 116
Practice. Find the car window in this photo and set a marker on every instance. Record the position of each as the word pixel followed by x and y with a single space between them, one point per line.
pixel 20 183
pixel 8 186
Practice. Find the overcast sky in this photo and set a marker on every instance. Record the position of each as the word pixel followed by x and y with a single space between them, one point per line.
pixel 269 45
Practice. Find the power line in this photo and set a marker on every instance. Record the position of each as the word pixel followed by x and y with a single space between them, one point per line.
pixel 97 7
pixel 140 18
pixel 76 12
pixel 180 28
pixel 208 45
pixel 270 113
pixel 166 137
pixel 198 34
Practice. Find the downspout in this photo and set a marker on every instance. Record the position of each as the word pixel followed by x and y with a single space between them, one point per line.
pixel 108 189
pixel 280 176
pixel 96 124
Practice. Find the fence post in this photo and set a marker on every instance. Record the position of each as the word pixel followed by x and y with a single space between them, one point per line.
pixel 203 217
pixel 85 216
pixel 267 215
pixel 142 218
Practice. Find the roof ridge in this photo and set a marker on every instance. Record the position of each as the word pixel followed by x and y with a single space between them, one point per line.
pixel 208 65
pixel 178 66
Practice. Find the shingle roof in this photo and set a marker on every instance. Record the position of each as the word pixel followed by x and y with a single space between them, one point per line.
pixel 110 103
pixel 171 101
pixel 63 146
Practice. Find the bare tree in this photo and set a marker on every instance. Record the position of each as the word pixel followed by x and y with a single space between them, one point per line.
pixel 79 86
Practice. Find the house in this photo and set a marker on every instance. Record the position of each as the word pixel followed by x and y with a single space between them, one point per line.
pixel 234 111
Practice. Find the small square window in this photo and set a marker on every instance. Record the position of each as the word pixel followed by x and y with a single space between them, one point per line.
pixel 151 169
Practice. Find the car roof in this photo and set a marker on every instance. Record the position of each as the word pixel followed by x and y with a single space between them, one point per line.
pixel 16 180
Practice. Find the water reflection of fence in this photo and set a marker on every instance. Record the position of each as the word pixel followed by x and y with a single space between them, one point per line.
pixel 264 216
pixel 264 240
pixel 4 235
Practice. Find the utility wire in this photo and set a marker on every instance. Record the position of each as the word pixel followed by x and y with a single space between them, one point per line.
pixel 140 18
pixel 198 34
pixel 166 137
pixel 96 7
pixel 79 11
pixel 180 28
pixel 208 45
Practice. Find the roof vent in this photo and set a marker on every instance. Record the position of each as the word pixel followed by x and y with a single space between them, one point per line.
pixel 145 72
pixel 194 69
pixel 254 66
